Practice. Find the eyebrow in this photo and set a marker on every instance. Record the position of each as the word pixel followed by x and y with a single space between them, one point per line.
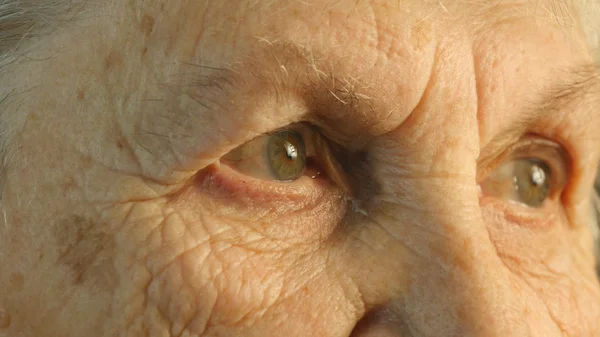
pixel 581 81
pixel 577 85
pixel 280 70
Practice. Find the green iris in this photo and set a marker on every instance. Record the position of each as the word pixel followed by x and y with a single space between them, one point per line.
pixel 286 155
pixel 532 182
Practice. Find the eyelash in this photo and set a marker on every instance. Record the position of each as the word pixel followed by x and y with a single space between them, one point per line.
pixel 322 167
pixel 536 147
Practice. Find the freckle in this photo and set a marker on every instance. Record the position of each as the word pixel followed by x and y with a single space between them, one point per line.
pixel 4 319
pixel 112 59
pixel 80 95
pixel 120 144
pixel 16 282
pixel 147 25
pixel 32 116
pixel 450 228
pixel 467 245
pixel 69 185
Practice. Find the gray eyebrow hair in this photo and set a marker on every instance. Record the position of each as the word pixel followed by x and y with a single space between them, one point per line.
pixel 22 19
pixel 576 85
pixel 583 79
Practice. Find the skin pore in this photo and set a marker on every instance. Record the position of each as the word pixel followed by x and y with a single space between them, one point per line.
pixel 122 219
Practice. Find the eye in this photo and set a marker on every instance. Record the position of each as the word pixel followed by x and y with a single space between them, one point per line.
pixel 526 181
pixel 287 155
pixel 533 174
pixel 277 156
pixel 532 179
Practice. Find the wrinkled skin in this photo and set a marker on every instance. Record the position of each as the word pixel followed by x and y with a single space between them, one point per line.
pixel 118 223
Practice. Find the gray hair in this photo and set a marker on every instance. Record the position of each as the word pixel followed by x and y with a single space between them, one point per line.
pixel 22 20
pixel 22 23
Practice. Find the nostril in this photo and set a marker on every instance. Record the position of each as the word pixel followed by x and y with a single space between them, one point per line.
pixel 382 322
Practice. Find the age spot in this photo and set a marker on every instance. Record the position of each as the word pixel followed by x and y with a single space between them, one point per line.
pixel 80 94
pixel 113 59
pixel 147 25
pixel 16 282
pixel 88 252
pixel 5 319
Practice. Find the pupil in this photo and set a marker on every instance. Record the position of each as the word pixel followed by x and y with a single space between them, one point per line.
pixel 290 151
pixel 538 176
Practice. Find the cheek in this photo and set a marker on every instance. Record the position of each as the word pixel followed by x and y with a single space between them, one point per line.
pixel 195 273
pixel 550 266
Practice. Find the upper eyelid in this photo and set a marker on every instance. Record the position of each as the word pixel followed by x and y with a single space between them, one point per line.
pixel 549 152
pixel 526 147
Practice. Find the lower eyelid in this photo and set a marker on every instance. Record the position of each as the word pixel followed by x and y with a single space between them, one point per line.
pixel 228 183
pixel 301 211
pixel 535 218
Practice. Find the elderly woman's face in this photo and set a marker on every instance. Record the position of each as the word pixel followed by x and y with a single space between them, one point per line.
pixel 303 168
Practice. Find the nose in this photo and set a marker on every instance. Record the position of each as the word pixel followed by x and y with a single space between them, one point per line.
pixel 435 271
pixel 450 282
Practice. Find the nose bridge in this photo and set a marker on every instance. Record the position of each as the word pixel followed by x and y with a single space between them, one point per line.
pixel 454 282
pixel 464 283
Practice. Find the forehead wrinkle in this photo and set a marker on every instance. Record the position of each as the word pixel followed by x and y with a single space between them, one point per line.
pixel 314 79
pixel 343 106
pixel 281 71
pixel 288 71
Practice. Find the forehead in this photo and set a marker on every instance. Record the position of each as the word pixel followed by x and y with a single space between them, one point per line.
pixel 515 45
pixel 342 26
